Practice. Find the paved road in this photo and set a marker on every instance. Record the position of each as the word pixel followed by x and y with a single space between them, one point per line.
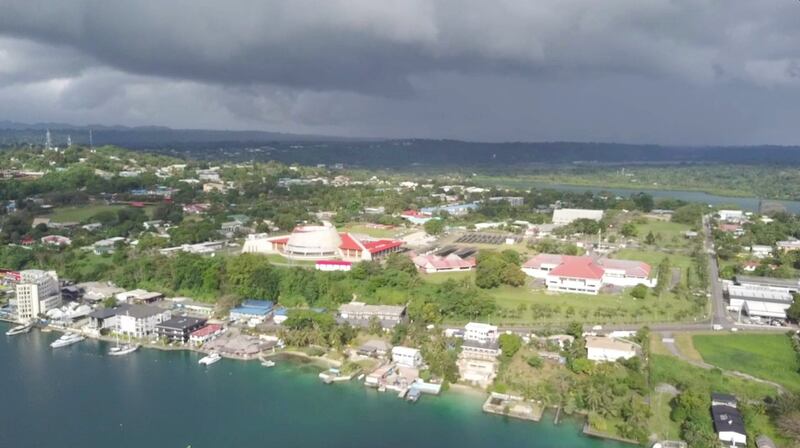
pixel 719 315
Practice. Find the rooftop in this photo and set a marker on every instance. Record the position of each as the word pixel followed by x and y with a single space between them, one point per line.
pixel 181 322
pixel 602 342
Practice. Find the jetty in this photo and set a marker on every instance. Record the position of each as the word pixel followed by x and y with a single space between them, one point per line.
pixel 513 406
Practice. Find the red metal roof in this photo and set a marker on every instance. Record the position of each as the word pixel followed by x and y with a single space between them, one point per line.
pixel 578 267
pixel 381 245
pixel 207 330
pixel 349 243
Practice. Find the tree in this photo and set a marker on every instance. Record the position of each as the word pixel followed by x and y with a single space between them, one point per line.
pixel 639 291
pixel 509 344
pixel 434 227
pixel 628 230
pixel 535 361
pixel 793 312
pixel 110 302
pixel 650 239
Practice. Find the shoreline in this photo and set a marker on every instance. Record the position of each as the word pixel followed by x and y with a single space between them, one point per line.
pixel 459 390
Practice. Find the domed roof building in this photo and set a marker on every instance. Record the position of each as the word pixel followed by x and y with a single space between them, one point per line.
pixel 321 242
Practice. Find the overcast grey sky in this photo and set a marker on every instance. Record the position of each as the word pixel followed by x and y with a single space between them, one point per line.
pixel 650 71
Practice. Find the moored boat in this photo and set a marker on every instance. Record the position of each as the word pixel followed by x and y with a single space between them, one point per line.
pixel 123 349
pixel 210 359
pixel 67 339
pixel 20 329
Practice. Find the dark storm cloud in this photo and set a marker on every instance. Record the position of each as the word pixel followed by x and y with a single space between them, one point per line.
pixel 497 70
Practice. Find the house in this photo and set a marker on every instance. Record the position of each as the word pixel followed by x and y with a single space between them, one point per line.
pixel 252 311
pixel 139 296
pixel 788 245
pixel 214 186
pixel 407 356
pixel 188 306
pixel 735 229
pixel 98 291
pixel 585 275
pixel 606 349
pixel 750 265
pixel 478 372
pixel 140 321
pixel 374 210
pixel 565 216
pixel 105 318
pixel 728 421
pixel 432 264
pixel 375 348
pixel 56 240
pixel 333 265
pixel 359 314
pixel 415 217
pixel 474 331
pixel 178 328
pixel 473 349
pixel 205 334
pixel 761 251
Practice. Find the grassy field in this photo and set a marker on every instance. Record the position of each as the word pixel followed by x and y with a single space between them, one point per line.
pixel 375 233
pixel 660 423
pixel 529 305
pixel 767 356
pixel 668 234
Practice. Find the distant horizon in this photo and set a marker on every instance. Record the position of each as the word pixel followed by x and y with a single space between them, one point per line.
pixel 64 126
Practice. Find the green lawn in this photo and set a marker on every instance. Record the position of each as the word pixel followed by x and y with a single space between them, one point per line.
pixel 660 422
pixel 444 276
pixel 767 356
pixel 671 233
pixel 375 233
pixel 671 370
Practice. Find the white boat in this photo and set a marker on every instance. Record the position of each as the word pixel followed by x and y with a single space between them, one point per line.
pixel 19 329
pixel 210 359
pixel 123 349
pixel 268 363
pixel 119 350
pixel 67 339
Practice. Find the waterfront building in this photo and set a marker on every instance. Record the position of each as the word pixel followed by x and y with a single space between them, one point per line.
pixel 255 311
pixel 105 318
pixel 407 356
pixel 565 216
pixel 488 350
pixel 359 314
pixel 374 348
pixel 37 293
pixel 478 372
pixel 606 349
pixel 178 328
pixel 585 275
pixel 205 334
pixel 140 321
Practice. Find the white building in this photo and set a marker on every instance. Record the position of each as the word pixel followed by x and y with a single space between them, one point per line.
pixel 407 356
pixel 731 215
pixel 564 216
pixel 139 321
pixel 37 293
pixel 605 349
pixel 585 275
pixel 759 301
pixel 761 251
pixel 478 332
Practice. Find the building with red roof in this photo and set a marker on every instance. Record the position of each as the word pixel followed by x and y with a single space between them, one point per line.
pixel 587 275
pixel 322 243
pixel 205 334
pixel 432 264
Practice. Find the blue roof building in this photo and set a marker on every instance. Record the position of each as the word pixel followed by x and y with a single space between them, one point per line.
pixel 252 309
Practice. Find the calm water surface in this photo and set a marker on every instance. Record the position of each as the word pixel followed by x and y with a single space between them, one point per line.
pixel 79 397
